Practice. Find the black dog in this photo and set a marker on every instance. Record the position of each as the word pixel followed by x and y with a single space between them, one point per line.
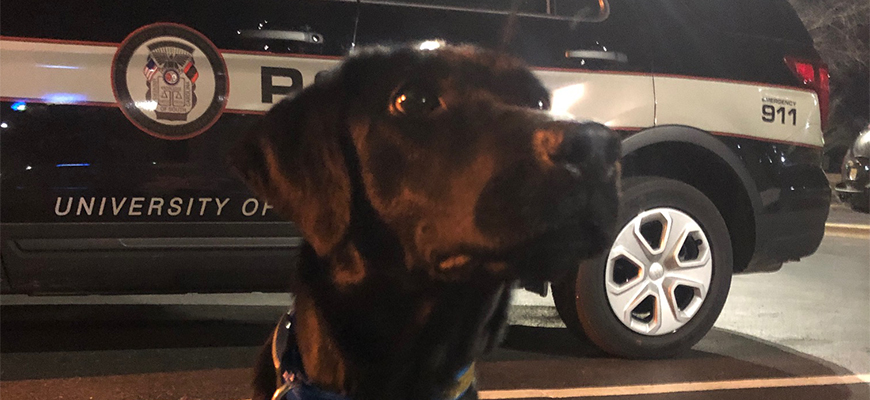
pixel 425 183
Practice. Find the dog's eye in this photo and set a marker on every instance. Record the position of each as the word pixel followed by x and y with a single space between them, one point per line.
pixel 415 101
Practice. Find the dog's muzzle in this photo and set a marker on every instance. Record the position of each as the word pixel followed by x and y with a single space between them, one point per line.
pixel 586 149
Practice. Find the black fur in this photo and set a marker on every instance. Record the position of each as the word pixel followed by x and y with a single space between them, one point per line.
pixel 420 215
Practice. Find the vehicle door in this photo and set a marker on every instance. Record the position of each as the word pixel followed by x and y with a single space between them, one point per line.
pixel 116 121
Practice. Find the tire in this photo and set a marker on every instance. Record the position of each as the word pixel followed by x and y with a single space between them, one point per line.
pixel 620 280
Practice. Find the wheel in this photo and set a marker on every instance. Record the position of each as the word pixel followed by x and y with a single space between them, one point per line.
pixel 664 281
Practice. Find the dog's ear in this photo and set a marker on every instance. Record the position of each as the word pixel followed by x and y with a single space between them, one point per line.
pixel 293 159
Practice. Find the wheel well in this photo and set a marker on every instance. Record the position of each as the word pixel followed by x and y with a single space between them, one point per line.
pixel 707 172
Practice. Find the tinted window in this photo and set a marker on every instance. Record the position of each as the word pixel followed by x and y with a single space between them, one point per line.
pixel 581 9
pixel 770 18
pixel 523 6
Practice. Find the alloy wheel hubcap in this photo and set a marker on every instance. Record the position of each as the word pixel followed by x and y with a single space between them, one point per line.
pixel 658 271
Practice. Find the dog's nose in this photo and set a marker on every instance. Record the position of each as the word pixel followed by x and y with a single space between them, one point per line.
pixel 586 148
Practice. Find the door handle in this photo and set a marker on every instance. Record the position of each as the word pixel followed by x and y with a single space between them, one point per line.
pixel 598 55
pixel 287 36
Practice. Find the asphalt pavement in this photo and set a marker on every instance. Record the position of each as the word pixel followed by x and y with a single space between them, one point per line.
pixel 840 214
pixel 799 333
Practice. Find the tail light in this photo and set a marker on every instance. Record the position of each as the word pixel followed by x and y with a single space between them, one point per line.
pixel 814 75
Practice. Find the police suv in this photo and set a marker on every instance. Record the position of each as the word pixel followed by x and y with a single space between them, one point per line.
pixel 116 118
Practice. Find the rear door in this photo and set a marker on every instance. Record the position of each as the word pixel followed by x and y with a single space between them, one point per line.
pixel 592 54
pixel 727 67
pixel 116 121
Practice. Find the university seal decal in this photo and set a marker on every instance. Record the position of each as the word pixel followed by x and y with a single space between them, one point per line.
pixel 170 81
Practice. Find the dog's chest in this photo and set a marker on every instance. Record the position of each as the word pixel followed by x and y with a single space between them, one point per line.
pixel 295 385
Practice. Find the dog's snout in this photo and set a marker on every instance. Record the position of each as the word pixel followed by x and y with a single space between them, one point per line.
pixel 585 148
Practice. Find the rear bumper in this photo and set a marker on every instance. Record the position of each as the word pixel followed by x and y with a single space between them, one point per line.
pixel 790 199
pixel 789 236
pixel 848 189
pixel 857 195
pixel 792 226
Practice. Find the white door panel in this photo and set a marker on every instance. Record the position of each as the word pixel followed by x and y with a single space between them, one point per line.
pixel 81 73
pixel 741 109
pixel 246 73
pixel 616 100
pixel 56 73
pixel 66 73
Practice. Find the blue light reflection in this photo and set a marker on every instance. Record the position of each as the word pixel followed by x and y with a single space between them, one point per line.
pixel 64 98
pixel 53 66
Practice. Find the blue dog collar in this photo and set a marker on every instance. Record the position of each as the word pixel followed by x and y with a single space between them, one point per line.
pixel 294 384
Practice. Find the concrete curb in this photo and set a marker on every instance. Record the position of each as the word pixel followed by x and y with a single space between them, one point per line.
pixel 849 230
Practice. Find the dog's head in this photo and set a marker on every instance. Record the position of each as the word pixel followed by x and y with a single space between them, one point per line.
pixel 445 159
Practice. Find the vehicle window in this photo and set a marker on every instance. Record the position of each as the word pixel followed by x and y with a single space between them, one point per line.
pixel 769 18
pixel 584 10
pixel 587 10
pixel 521 6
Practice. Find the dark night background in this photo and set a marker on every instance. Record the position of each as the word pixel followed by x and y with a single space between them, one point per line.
pixel 841 31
